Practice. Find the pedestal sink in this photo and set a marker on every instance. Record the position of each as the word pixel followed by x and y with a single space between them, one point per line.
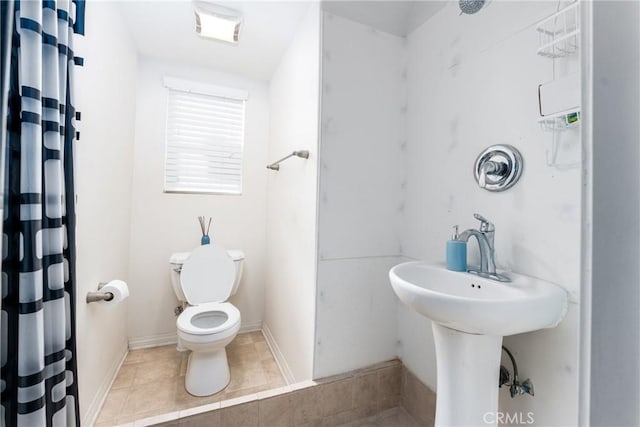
pixel 470 316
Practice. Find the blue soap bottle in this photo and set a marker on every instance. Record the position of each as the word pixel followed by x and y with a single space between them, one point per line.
pixel 456 252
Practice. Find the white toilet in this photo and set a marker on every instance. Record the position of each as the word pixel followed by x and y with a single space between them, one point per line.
pixel 205 278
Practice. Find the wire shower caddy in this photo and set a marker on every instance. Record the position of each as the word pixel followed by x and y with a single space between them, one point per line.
pixel 559 34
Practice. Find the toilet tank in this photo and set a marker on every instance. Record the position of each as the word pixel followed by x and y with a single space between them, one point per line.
pixel 177 259
pixel 238 260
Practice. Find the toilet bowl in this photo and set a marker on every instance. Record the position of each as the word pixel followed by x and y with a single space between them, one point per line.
pixel 206 330
pixel 206 278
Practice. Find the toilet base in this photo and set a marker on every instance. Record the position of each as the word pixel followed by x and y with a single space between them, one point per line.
pixel 207 372
pixel 180 346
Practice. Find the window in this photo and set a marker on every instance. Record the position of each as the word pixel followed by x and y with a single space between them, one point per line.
pixel 204 138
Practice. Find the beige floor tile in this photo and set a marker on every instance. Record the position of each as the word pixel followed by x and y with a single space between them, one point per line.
pixel 151 381
pixel 156 370
pixel 152 354
pixel 246 377
pixel 263 350
pixel 276 411
pixel 340 419
pixel 245 415
pixel 112 406
pixel 209 419
pixel 335 398
pixel 241 347
pixel 163 352
pixel 135 356
pixel 129 418
pixel 245 391
pixel 184 400
pixel 251 365
pixel 125 376
pixel 270 365
pixel 277 383
pixel 306 406
pixel 365 393
pixel 257 336
pixel 149 397
pixel 398 419
pixel 274 376
pixel 389 386
pixel 243 355
pixel 377 420
pixel 184 363
pixel 418 400
pixel 241 339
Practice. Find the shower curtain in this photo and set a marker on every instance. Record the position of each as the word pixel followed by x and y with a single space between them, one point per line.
pixel 38 375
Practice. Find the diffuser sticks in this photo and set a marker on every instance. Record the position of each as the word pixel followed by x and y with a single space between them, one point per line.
pixel 205 230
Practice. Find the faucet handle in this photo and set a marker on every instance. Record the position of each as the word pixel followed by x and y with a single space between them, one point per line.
pixel 485 224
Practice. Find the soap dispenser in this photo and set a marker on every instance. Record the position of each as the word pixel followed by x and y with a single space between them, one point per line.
pixel 456 252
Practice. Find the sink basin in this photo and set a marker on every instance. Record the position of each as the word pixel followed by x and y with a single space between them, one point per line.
pixel 470 316
pixel 475 305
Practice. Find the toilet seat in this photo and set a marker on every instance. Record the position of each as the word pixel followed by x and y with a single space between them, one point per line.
pixel 208 275
pixel 208 319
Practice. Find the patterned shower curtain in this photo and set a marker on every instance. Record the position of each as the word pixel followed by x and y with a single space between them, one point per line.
pixel 39 376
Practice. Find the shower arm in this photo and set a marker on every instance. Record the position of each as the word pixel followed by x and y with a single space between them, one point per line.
pixel 303 154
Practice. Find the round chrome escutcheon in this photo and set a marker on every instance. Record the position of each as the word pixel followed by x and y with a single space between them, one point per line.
pixel 501 165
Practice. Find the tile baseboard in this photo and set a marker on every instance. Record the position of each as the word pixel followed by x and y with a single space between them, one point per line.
pixel 172 337
pixel 153 341
pixel 374 393
pixel 99 398
pixel 278 355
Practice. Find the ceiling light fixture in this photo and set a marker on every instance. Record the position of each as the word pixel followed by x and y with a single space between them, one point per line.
pixel 217 22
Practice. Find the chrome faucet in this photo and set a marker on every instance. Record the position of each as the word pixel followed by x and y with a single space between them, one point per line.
pixel 485 237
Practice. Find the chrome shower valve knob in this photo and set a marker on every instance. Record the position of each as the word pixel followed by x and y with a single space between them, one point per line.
pixel 498 168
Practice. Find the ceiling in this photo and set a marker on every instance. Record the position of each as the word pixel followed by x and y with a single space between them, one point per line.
pixel 166 30
pixel 395 17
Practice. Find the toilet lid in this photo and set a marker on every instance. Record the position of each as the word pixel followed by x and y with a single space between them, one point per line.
pixel 207 275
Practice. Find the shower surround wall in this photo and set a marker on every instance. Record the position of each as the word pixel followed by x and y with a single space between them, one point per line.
pixel 291 203
pixel 471 82
pixel 360 195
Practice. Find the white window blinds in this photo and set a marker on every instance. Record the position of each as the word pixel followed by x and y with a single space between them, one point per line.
pixel 205 132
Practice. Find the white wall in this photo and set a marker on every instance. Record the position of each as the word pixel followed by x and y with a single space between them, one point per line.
pixel 360 204
pixel 392 185
pixel 291 204
pixel 473 83
pixel 105 94
pixel 613 357
pixel 162 224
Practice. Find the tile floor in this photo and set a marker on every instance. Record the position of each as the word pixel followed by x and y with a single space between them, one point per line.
pixel 395 417
pixel 151 381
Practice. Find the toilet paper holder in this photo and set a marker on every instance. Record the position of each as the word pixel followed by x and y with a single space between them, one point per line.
pixel 99 296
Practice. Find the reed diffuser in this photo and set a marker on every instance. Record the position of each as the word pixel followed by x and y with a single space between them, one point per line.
pixel 205 240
